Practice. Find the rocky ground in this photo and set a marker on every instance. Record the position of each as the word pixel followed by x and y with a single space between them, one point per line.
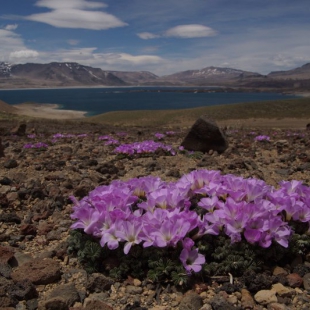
pixel 36 271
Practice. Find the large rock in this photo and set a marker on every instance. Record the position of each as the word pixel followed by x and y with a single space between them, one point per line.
pixel 204 136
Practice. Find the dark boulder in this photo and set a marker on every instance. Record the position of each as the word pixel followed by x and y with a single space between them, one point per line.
pixel 204 136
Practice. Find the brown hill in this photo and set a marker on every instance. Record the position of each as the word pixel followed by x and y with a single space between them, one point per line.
pixel 5 107
pixel 300 73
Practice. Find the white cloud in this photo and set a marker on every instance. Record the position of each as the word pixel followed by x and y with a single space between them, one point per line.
pixel 9 42
pixel 107 61
pixel 147 35
pixel 134 60
pixel 11 27
pixel 23 54
pixel 190 31
pixel 73 42
pixel 62 4
pixel 182 31
pixel 75 14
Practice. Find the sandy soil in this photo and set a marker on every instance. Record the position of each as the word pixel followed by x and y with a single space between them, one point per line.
pixel 50 111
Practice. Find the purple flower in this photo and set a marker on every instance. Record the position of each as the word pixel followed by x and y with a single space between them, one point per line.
pixel 38 145
pixel 170 133
pixel 144 147
pixel 110 239
pixel 262 138
pixel 192 260
pixel 159 136
pixel 129 232
pixel 106 137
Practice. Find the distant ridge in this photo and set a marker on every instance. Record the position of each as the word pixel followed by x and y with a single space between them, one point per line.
pixel 71 74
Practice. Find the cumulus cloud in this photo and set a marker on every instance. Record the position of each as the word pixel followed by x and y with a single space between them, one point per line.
pixel 11 27
pixel 75 14
pixel 190 31
pixel 23 54
pixel 147 35
pixel 9 42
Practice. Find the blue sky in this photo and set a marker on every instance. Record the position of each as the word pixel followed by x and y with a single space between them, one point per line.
pixel 161 36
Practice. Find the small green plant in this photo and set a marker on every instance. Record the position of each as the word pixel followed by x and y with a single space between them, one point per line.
pixel 87 249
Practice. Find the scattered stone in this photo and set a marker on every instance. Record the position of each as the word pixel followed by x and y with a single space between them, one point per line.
pixel 95 304
pixel 38 271
pixel 294 280
pixel 10 218
pixel 133 290
pixel 247 301
pixel 265 297
pixel 204 136
pixel 61 298
pixel 191 301
pixel 97 282
pixel 218 302
pixel 306 281
pixel 279 271
pixel 283 291
pixel 28 229
pixel 20 130
pixel 6 254
pixel 10 164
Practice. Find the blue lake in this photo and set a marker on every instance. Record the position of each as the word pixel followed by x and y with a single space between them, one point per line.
pixel 101 100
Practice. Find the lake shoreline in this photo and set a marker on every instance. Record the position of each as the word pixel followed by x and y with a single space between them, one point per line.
pixel 48 111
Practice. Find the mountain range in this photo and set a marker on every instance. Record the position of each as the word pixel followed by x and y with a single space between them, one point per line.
pixel 69 74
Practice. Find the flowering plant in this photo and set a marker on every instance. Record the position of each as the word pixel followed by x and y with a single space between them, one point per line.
pixel 148 212
pixel 262 138
pixel 38 145
pixel 159 136
pixel 144 147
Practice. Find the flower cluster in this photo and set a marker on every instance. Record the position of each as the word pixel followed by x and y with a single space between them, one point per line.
pixel 38 145
pixel 151 212
pixel 170 133
pixel 59 136
pixel 31 136
pixel 262 138
pixel 144 147
pixel 159 136
pixel 109 140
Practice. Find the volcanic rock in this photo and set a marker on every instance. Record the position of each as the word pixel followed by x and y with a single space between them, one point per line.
pixel 204 136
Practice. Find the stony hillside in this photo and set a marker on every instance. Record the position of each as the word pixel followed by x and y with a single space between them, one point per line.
pixel 39 271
